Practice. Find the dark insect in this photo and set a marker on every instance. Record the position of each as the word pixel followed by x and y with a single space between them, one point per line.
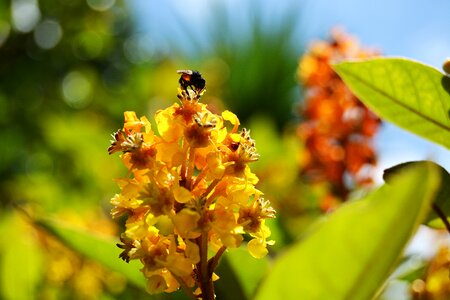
pixel 191 79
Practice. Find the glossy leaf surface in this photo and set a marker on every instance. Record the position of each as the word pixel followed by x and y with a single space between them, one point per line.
pixel 409 94
pixel 349 254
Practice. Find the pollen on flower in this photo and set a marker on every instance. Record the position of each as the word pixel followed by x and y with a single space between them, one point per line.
pixel 189 189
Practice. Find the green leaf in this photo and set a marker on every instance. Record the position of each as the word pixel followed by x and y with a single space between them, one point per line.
pixel 248 272
pixel 349 254
pixel 101 249
pixel 229 278
pixel 442 201
pixel 409 94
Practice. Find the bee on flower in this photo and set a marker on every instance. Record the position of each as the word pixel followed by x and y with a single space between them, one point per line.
pixel 189 192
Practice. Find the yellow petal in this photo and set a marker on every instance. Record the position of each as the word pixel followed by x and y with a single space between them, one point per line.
pixel 179 265
pixel 217 169
pixel 229 116
pixel 257 248
pixel 147 125
pixel 169 129
pixel 170 153
pixel 186 223
pixel 156 284
pixel 130 116
pixel 132 123
pixel 232 118
pixel 181 194
pixel 192 252
pixel 235 137
pixel 220 135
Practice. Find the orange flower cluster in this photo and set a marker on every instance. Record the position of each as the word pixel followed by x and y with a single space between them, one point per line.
pixel 189 189
pixel 337 129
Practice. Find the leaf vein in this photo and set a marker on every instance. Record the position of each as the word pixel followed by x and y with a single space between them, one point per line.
pixel 396 101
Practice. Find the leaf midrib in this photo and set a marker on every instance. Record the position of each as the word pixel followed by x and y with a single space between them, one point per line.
pixel 396 101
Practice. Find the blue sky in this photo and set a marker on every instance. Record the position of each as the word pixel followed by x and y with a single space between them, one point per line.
pixel 417 29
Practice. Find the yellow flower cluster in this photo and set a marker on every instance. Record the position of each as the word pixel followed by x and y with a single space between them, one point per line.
pixel 435 282
pixel 189 191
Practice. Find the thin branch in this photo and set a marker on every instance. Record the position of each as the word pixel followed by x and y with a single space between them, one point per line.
pixel 213 262
pixel 442 216
pixel 199 177
pixel 206 284
pixel 190 168
pixel 211 186
pixel 184 163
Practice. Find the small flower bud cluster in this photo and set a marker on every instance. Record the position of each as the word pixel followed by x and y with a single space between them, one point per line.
pixel 337 128
pixel 189 191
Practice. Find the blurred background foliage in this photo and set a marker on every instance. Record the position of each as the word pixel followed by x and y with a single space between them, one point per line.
pixel 69 69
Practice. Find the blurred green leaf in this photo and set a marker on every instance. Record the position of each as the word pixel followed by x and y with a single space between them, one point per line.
pixel 248 270
pixel 350 254
pixel 259 59
pixel 101 249
pixel 21 262
pixel 409 94
pixel 229 278
pixel 442 200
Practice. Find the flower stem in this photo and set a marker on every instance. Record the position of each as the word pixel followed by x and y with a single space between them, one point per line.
pixel 442 216
pixel 212 196
pixel 199 177
pixel 211 186
pixel 190 168
pixel 183 165
pixel 205 280
pixel 213 262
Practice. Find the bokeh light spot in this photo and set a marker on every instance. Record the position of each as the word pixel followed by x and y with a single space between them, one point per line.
pixel 101 5
pixel 47 34
pixel 77 90
pixel 25 14
pixel 139 49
